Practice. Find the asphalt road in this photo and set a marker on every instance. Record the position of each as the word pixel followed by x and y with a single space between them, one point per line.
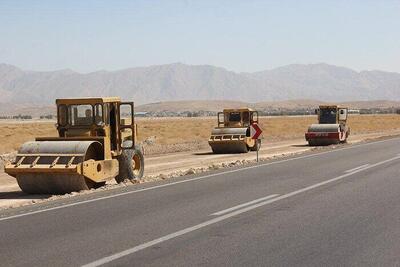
pixel 337 208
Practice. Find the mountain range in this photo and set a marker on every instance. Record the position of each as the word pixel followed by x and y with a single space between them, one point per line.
pixel 174 82
pixel 292 105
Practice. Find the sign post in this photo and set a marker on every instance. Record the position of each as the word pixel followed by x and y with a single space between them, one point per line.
pixel 255 133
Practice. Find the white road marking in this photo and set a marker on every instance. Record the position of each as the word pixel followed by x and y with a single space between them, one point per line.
pixel 224 217
pixel 244 205
pixel 357 168
pixel 190 180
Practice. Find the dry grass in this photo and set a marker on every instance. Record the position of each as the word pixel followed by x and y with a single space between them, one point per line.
pixel 12 135
pixel 183 130
pixel 172 130
pixel 197 130
pixel 374 123
pixel 176 130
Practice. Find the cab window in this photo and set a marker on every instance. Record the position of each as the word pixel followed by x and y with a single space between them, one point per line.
pixel 106 112
pixel 234 117
pixel 62 115
pixel 246 117
pixel 328 116
pixel 98 114
pixel 80 115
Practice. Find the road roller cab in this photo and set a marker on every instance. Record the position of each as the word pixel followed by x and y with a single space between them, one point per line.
pixel 232 135
pixel 96 142
pixel 332 126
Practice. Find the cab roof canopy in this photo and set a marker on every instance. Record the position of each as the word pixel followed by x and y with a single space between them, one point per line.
pixel 331 106
pixel 238 110
pixel 88 100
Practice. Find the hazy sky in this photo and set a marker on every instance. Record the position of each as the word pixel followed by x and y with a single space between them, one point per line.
pixel 237 35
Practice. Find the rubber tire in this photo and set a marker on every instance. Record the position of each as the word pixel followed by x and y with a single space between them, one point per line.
pixel 312 143
pixel 126 171
pixel 258 143
pixel 216 150
pixel 94 185
pixel 347 135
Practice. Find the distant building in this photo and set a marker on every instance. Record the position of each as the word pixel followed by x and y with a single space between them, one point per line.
pixel 141 114
pixel 354 111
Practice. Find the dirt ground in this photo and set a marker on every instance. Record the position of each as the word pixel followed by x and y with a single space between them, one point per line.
pixel 178 146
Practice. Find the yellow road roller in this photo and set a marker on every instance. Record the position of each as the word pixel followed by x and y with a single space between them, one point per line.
pixel 96 142
pixel 332 126
pixel 232 135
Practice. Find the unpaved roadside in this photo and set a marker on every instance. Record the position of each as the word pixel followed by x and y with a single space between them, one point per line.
pixel 176 164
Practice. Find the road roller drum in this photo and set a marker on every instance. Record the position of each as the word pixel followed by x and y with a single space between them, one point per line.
pixel 324 128
pixel 51 167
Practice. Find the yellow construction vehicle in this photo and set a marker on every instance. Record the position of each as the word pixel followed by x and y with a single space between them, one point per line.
pixel 96 142
pixel 332 126
pixel 233 132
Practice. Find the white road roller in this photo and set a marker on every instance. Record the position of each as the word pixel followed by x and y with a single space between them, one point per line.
pixel 332 126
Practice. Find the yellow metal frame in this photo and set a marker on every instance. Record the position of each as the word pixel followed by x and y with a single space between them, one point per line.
pixel 228 138
pixel 87 100
pixel 95 170
pixel 225 124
